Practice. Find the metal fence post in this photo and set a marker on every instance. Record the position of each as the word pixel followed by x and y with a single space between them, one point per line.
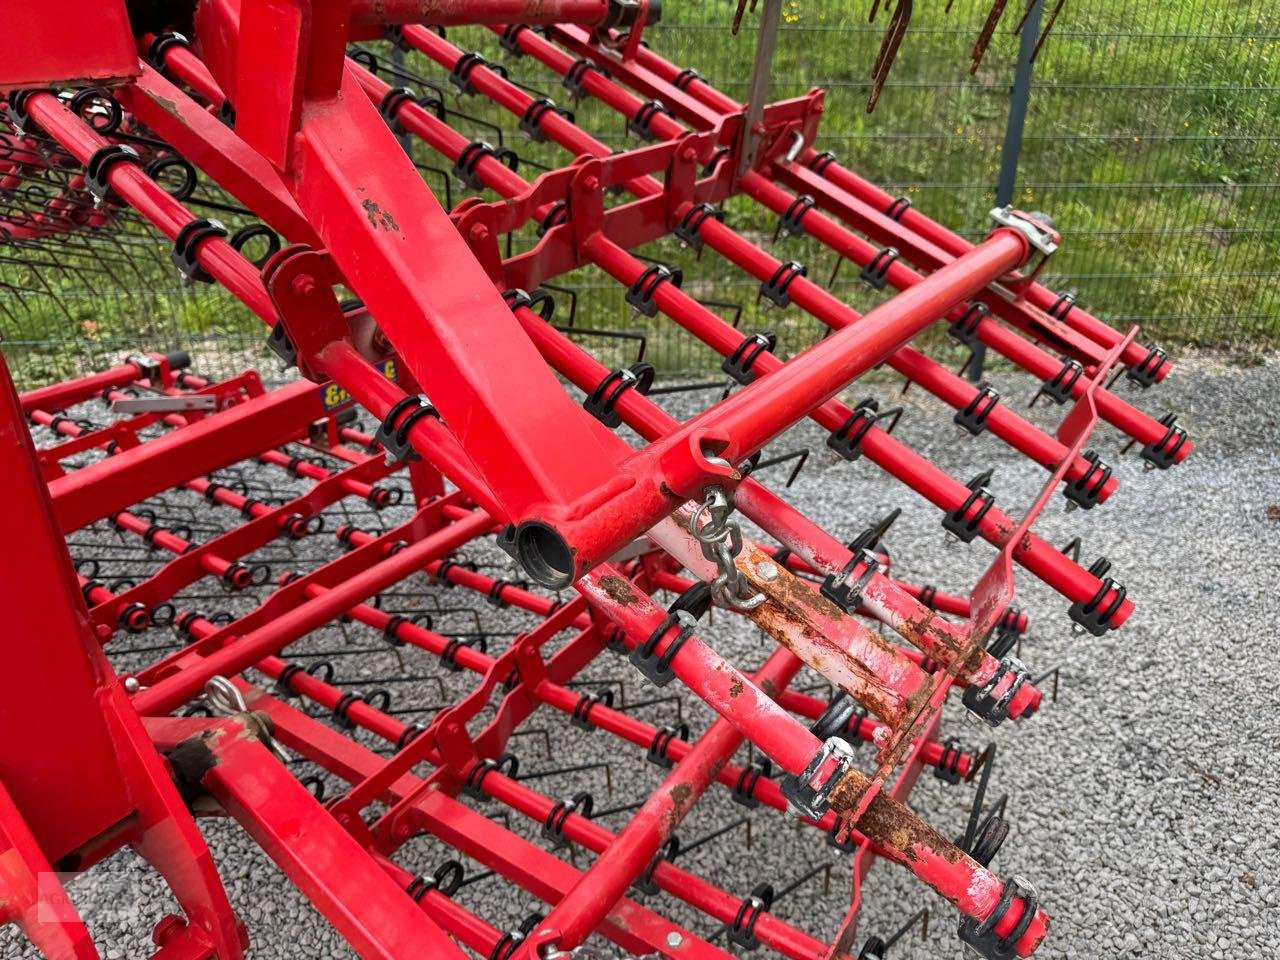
pixel 1011 150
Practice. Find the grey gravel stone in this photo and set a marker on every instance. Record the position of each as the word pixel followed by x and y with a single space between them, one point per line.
pixel 1144 802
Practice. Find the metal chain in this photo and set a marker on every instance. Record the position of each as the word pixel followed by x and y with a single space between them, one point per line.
pixel 721 541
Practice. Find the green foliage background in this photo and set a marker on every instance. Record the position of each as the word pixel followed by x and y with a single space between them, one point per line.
pixel 1153 139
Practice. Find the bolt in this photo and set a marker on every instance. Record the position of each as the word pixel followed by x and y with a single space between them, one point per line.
pixel 591 183
pixel 131 685
pixel 479 233
pixel 689 155
pixel 304 285
pixel 674 939
pixel 767 570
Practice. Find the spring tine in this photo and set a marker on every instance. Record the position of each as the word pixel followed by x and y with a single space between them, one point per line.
pixel 539 732
pixel 988 31
pixel 921 917
pixel 889 51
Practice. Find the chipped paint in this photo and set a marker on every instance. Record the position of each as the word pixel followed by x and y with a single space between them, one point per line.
pixel 619 590
pixel 379 218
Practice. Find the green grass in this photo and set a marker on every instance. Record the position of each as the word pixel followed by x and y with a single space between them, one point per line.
pixel 1153 139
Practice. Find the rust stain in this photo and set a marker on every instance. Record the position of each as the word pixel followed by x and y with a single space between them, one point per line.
pixel 769 687
pixel 735 688
pixel 889 823
pixel 681 794
pixel 619 590
pixel 168 106
pixel 379 218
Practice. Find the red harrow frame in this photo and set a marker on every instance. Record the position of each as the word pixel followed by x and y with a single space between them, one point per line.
pixel 451 348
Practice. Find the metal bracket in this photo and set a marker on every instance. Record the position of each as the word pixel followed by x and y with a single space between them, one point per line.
pixel 808 797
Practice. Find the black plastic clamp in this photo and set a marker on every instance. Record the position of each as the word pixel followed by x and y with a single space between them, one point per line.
pixel 640 123
pixel 656 667
pixel 897 208
pixel 161 45
pixel 791 223
pixel 775 289
pixel 445 881
pixel 558 214
pixel 1145 373
pixel 1161 453
pixel 876 273
pixel 16 110
pixel 390 105
pixel 965 329
pixel 575 77
pixel 409 734
pixel 640 294
pixel 821 161
pixel 187 244
pixel 687 231
pixel 981 934
pixel 973 418
pixel 460 75
pixel 742 931
pixel 844 589
pixel 962 523
pixel 1062 306
pixel 661 743
pixel 510 39
pixel 718 156
pixel 99 165
pixel 393 433
pixel 466 168
pixel 982 699
pixel 1002 643
pixel 947 769
pixel 686 77
pixel 1058 387
pixel 280 344
pixel 508 764
pixel 745 789
pixel 580 803
pixel 1086 490
pixel 531 119
pixel 449 655
pixel 644 884
pixel 1090 614
pixel 739 363
pixel 494 593
pixel 847 439
pixel 581 716
pixel 603 400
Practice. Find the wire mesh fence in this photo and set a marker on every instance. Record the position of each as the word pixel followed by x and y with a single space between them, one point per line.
pixel 1152 138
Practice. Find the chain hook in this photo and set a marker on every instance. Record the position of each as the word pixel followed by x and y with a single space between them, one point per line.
pixel 721 541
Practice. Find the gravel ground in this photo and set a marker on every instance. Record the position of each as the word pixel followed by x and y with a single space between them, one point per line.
pixel 1143 802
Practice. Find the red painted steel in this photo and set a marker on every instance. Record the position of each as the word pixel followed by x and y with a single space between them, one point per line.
pixel 455 349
